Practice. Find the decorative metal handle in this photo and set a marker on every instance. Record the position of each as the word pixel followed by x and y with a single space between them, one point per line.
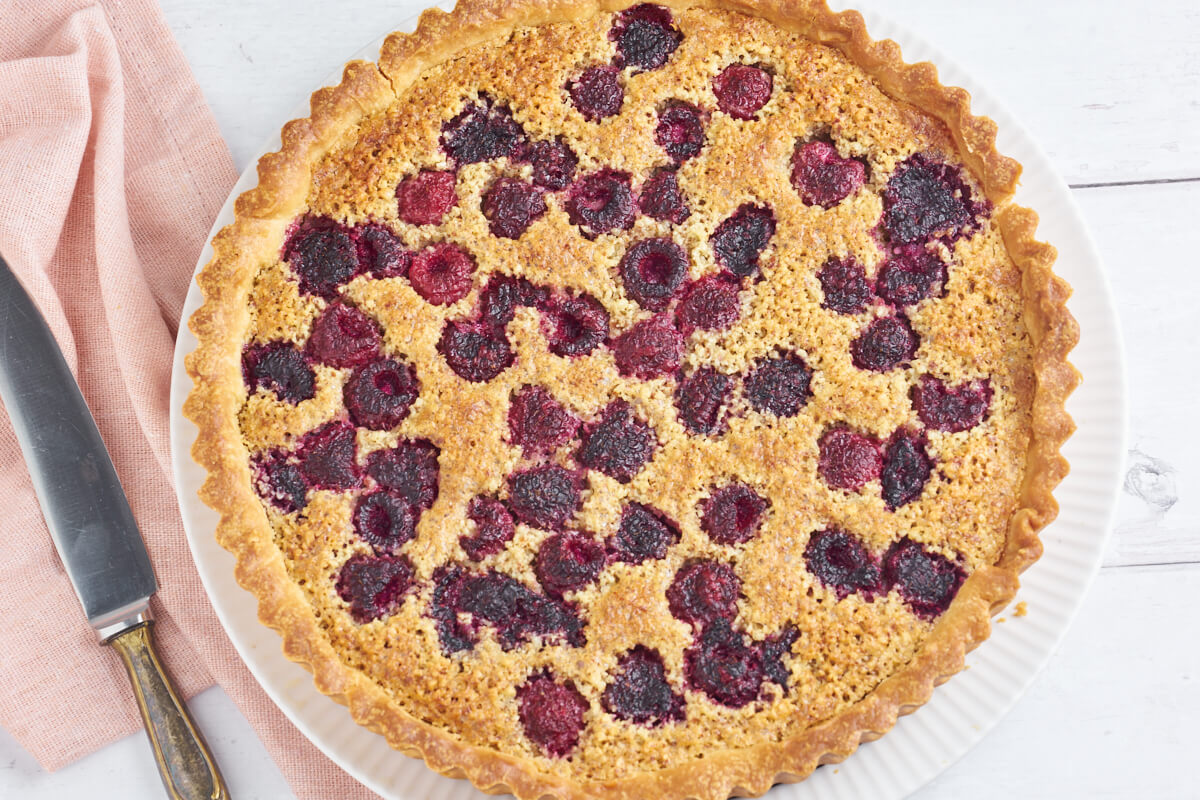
pixel 187 768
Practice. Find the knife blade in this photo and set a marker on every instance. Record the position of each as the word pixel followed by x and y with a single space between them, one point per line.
pixel 94 530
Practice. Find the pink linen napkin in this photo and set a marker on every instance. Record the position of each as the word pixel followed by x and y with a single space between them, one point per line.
pixel 111 172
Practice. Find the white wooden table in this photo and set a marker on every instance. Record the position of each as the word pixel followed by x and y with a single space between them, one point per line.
pixel 1112 91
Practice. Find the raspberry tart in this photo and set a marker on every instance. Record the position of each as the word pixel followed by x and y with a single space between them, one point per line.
pixel 647 401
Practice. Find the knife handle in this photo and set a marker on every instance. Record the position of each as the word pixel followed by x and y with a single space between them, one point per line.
pixel 188 769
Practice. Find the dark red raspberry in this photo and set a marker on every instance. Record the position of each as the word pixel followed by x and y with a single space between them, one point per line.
pixel 739 240
pixel 742 90
pixel 701 399
pixel 661 198
pixel 568 562
pixel 537 423
pixel 644 533
pixel 680 131
pixel 410 469
pixel 844 284
pixel 953 410
pixel 773 650
pixel 544 497
pixel 475 351
pixel 441 273
pixel 732 514
pixel 926 199
pixel 822 177
pixel 618 444
pixel 910 275
pixel 840 561
pixel 724 666
pixel 704 591
pixel 575 326
pixel 640 691
pixel 551 713
pixel 645 36
pixel 906 469
pixel 493 528
pixel 649 349
pixel 709 304
pixel 380 395
pixel 323 254
pixel 598 93
pixel 385 520
pixel 426 198
pixel 280 368
pixel 342 336
pixel 652 271
pixel 382 252
pixel 927 581
pixel 329 457
pixel 482 131
pixel 511 206
pixel 885 344
pixel 502 294
pixel 281 483
pixel 780 385
pixel 601 202
pixel 848 460
pixel 374 586
pixel 553 163
pixel 515 612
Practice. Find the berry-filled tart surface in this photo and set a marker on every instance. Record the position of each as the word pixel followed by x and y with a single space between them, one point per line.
pixel 640 401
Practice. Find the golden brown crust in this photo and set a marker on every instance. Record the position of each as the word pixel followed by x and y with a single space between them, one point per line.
pixel 284 179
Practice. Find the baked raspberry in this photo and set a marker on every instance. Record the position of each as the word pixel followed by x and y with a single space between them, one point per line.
pixel 701 399
pixel 410 469
pixel 649 349
pixel 427 197
pixel 927 199
pixel 724 666
pixel 382 252
pixel 732 514
pixel 704 591
pixel 280 368
pixel 329 457
pixel 342 336
pixel 773 649
pixel 380 395
pixel 710 304
pixel 840 561
pixel 885 344
pixel 906 469
pixel 953 410
pixel 553 163
pixel 927 581
pixel 516 612
pixel 441 273
pixel 644 533
pixel 323 254
pixel 551 713
pixel 822 177
pixel 618 444
pixel 739 240
pixel 537 422
pixel 598 93
pixel 680 130
pixel 502 294
pixel 281 483
pixel 661 198
pixel 575 325
pixel 779 385
pixel 567 562
pixel 844 284
pixel 645 36
pixel 640 692
pixel 910 275
pixel 475 351
pixel 511 206
pixel 848 460
pixel 601 202
pixel 652 271
pixel 742 90
pixel 493 527
pixel 545 496
pixel 482 131
pixel 374 586
pixel 385 520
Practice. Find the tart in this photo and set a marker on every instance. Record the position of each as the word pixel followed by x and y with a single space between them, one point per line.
pixel 646 401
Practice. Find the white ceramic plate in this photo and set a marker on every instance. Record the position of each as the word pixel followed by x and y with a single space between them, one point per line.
pixel 922 744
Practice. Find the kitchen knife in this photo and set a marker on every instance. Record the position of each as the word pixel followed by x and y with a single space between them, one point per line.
pixel 95 532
